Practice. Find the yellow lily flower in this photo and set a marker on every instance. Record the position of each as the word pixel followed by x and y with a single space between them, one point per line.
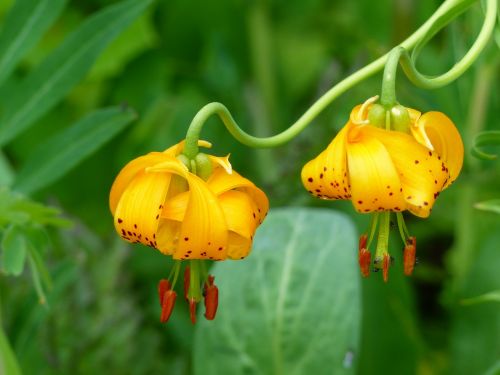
pixel 383 170
pixel 157 201
pixel 387 170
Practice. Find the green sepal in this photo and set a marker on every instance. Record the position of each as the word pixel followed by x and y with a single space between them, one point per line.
pixel 203 166
pixel 184 160
pixel 376 115
pixel 400 119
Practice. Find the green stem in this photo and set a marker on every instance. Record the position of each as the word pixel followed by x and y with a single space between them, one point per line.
pixel 456 6
pixel 204 272
pixel 388 92
pixel 194 280
pixel 400 54
pixel 383 235
pixel 373 228
pixel 460 67
pixel 175 271
pixel 402 227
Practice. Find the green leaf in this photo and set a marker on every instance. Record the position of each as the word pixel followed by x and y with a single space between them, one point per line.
pixel 65 67
pixel 138 37
pixel 475 328
pixel 37 241
pixel 58 155
pixel 485 138
pixel 493 296
pixel 292 307
pixel 491 205
pixel 13 251
pixel 8 360
pixel 391 333
pixel 494 369
pixel 17 209
pixel 24 26
pixel 6 171
pixel 37 280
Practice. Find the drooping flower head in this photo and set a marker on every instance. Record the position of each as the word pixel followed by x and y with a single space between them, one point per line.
pixel 160 201
pixel 387 161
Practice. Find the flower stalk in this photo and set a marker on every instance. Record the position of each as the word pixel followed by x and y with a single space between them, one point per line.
pixel 398 54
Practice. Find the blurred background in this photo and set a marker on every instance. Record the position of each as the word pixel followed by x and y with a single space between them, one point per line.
pixel 267 61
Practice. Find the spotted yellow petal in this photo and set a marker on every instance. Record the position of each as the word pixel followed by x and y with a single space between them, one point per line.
pixel 175 207
pixel 220 182
pixel 375 184
pixel 414 115
pixel 128 173
pixel 326 175
pixel 203 232
pixel 138 210
pixel 167 236
pixel 436 129
pixel 239 210
pixel 238 246
pixel 222 161
pixel 423 175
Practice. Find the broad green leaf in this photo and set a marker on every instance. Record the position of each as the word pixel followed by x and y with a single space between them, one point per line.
pixel 46 85
pixel 293 307
pixel 23 27
pixel 58 155
pixel 8 360
pixel 13 251
pixel 491 205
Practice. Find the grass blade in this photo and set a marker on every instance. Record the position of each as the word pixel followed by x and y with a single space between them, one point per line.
pixel 53 158
pixel 43 88
pixel 8 361
pixel 24 26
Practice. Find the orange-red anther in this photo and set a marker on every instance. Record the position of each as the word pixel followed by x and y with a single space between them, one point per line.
pixel 363 239
pixel 364 259
pixel 187 275
pixel 385 267
pixel 192 310
pixel 409 255
pixel 168 302
pixel 211 298
pixel 163 286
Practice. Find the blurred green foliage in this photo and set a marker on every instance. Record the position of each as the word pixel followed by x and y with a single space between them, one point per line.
pixel 267 61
